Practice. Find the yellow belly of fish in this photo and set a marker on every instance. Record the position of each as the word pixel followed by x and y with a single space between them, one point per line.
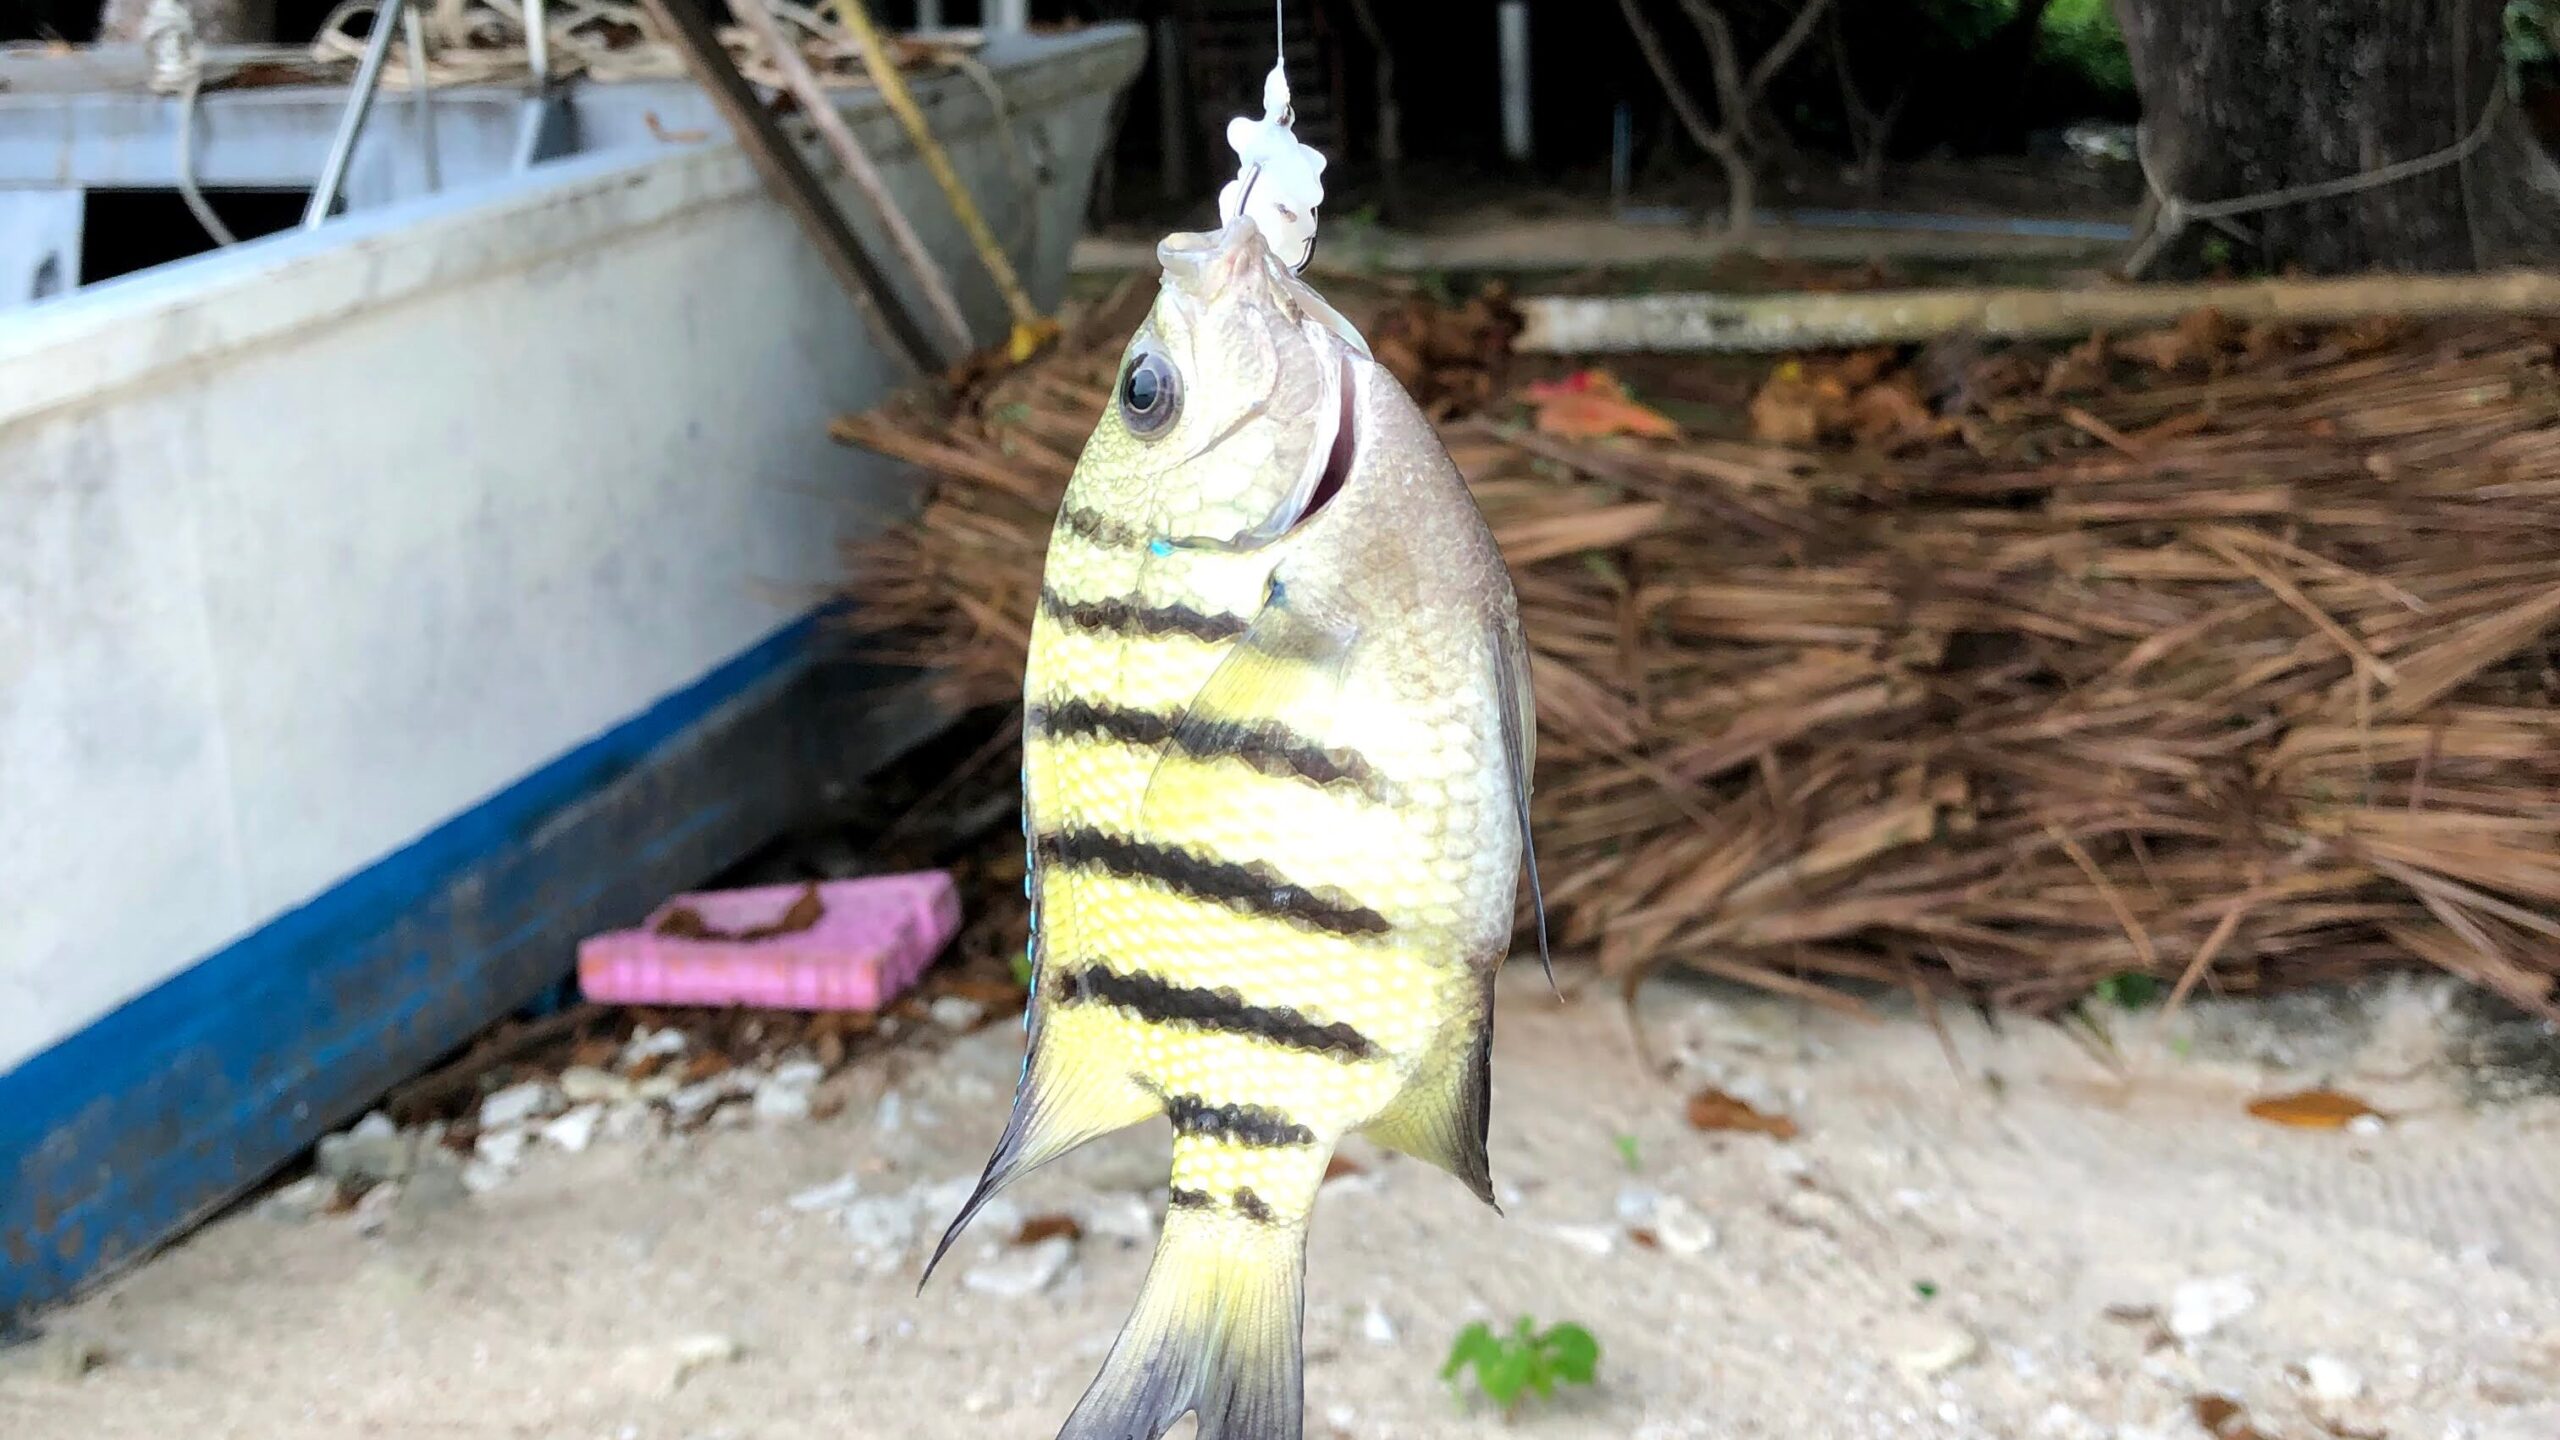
pixel 1409 850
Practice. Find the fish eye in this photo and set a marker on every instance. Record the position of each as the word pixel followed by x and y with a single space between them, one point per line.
pixel 1150 395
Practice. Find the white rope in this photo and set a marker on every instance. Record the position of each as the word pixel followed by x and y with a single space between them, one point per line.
pixel 2174 214
pixel 177 68
pixel 475 42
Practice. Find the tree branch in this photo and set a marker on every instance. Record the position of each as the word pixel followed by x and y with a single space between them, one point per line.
pixel 1798 31
pixel 1683 104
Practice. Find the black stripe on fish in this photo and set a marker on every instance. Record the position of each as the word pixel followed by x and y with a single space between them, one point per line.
pixel 1180 1199
pixel 1192 1007
pixel 1265 745
pixel 1254 1125
pixel 1079 719
pixel 1119 616
pixel 1095 528
pixel 1253 888
pixel 1253 1207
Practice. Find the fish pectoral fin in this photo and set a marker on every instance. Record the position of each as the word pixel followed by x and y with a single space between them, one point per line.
pixel 1446 1112
pixel 1053 1113
pixel 1287 667
pixel 1519 716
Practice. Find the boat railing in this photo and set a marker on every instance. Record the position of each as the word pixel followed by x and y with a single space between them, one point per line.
pixel 342 145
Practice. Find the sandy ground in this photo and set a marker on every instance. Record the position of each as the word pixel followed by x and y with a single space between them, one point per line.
pixel 2027 1246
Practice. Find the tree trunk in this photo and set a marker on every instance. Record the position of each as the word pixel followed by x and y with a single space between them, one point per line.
pixel 2242 97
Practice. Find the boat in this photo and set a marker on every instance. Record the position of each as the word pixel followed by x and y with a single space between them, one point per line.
pixel 394 599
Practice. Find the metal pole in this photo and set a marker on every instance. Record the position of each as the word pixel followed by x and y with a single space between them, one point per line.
pixel 928 14
pixel 1512 21
pixel 793 182
pixel 342 146
pixel 1008 15
pixel 1622 155
pixel 1173 111
pixel 413 32
pixel 537 41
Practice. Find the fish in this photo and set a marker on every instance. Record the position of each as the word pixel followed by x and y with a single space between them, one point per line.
pixel 1277 740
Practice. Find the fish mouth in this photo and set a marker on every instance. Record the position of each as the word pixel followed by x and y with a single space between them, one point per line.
pixel 1234 264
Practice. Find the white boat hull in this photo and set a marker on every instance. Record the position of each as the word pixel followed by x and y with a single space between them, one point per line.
pixel 389 603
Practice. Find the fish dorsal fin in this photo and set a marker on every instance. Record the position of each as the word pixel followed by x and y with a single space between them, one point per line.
pixel 1519 715
pixel 1286 668
pixel 1446 1109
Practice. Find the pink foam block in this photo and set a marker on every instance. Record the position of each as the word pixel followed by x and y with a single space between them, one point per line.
pixel 872 939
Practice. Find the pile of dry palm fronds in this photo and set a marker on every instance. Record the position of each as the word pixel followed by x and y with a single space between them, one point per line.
pixel 2222 656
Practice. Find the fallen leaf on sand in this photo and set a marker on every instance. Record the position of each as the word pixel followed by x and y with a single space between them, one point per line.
pixel 2221 1417
pixel 1589 404
pixel 1712 1109
pixel 1044 1227
pixel 2312 1109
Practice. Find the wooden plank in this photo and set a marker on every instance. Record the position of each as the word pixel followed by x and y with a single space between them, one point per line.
pixel 794 183
pixel 1593 325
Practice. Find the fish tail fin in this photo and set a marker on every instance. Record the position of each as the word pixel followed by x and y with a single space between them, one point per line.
pixel 1216 1330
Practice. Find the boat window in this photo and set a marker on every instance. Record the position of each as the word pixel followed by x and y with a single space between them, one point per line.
pixel 127 230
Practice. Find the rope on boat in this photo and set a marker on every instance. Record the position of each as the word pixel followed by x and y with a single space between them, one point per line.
pixel 480 42
pixel 177 68
pixel 1031 329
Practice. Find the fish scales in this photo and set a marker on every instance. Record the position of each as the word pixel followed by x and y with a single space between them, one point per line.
pixel 1275 755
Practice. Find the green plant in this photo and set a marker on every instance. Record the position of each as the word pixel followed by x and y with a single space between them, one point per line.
pixel 2130 990
pixel 1509 1367
pixel 1627 1152
pixel 2082 34
pixel 2530 33
pixel 2078 35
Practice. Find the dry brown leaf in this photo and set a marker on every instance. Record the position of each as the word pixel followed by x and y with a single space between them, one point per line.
pixel 1594 404
pixel 2194 343
pixel 1713 1109
pixel 2222 1418
pixel 1037 1228
pixel 1798 406
pixel 686 923
pixel 1890 410
pixel 2312 1109
pixel 2082 367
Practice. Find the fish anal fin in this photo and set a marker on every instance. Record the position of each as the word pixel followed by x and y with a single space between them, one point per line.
pixel 1055 1110
pixel 1445 1113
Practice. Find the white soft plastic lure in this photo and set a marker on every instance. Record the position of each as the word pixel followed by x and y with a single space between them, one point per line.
pixel 1279 179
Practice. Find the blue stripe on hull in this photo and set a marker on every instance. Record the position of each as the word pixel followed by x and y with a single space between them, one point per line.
pixel 121 1136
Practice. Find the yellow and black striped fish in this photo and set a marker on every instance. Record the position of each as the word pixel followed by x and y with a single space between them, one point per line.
pixel 1277 735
